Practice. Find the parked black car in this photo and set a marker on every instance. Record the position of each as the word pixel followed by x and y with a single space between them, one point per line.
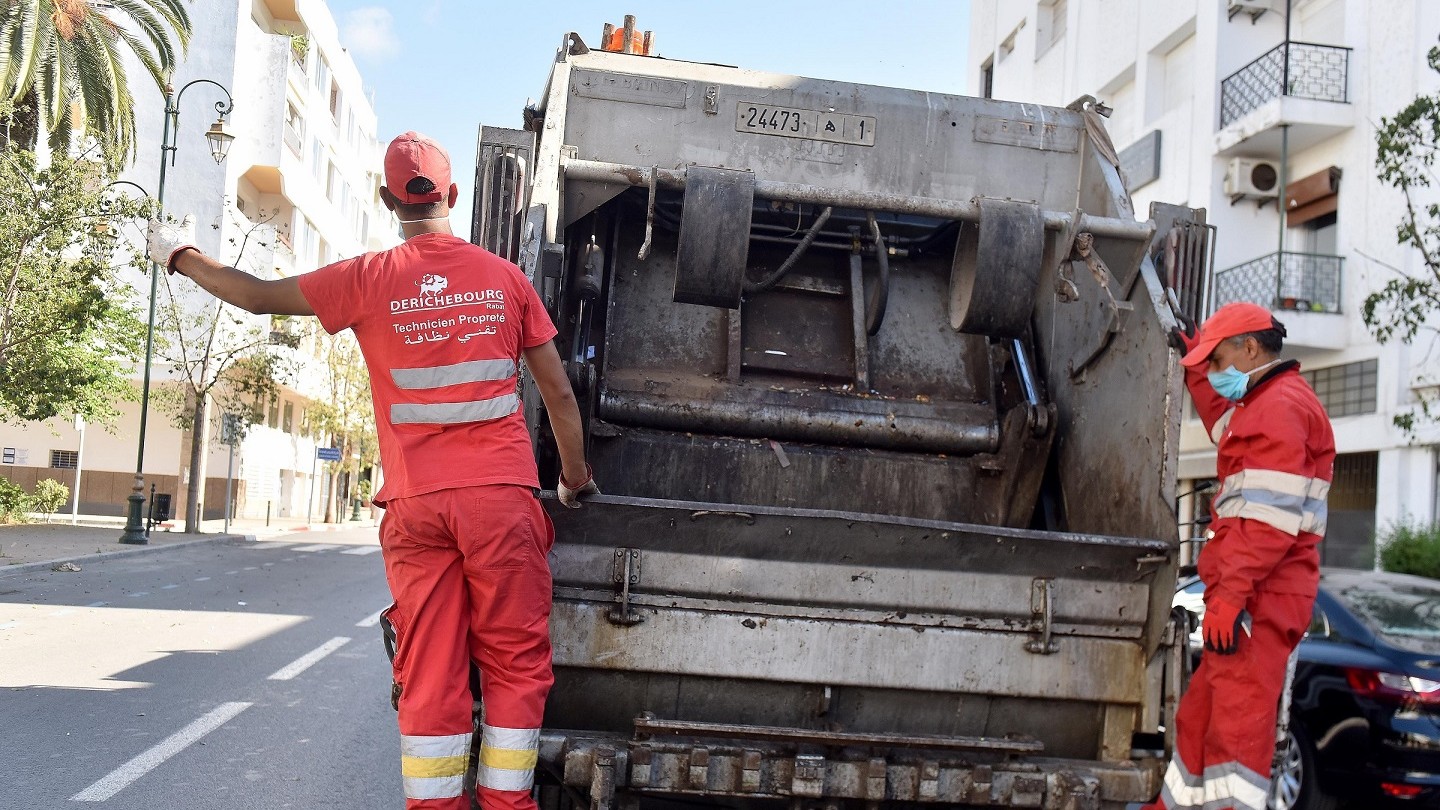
pixel 1365 705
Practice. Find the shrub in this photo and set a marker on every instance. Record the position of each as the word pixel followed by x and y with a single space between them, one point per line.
pixel 1411 547
pixel 12 502
pixel 49 497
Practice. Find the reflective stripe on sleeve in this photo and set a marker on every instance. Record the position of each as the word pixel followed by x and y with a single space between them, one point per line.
pixel 434 767
pixel 457 374
pixel 508 757
pixel 1218 429
pixel 454 413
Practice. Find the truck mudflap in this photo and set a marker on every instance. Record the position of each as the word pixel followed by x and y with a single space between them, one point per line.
pixel 736 765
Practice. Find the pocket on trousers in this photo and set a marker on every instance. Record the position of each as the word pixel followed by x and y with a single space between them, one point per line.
pixel 502 532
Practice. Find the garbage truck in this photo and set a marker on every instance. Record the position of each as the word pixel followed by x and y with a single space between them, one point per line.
pixel 875 382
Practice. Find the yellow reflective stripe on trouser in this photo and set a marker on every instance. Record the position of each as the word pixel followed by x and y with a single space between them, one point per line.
pixel 434 767
pixel 507 757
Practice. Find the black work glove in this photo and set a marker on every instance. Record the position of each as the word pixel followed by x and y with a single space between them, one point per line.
pixel 1182 338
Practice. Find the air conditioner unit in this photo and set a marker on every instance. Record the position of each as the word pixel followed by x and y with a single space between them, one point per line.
pixel 1250 177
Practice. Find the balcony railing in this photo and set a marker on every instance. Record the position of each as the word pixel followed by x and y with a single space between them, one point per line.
pixel 1298 69
pixel 1302 282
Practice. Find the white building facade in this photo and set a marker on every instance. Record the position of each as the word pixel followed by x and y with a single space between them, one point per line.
pixel 1219 104
pixel 299 189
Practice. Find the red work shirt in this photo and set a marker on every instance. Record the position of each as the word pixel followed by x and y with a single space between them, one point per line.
pixel 442 324
pixel 1275 459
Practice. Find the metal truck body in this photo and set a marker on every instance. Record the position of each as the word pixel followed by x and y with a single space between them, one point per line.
pixel 876 386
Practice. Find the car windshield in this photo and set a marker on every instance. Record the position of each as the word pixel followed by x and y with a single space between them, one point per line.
pixel 1397 606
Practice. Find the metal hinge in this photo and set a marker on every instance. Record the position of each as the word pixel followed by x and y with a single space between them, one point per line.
pixel 625 572
pixel 1042 605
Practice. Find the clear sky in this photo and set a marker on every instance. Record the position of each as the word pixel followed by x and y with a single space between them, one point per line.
pixel 443 67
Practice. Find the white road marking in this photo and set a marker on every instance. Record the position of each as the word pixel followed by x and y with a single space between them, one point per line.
pixel 318 547
pixel 118 779
pixel 231 573
pixel 371 620
pixel 288 559
pixel 97 604
pixel 202 579
pixel 309 659
pixel 138 594
pixel 361 550
pixel 250 568
pixel 170 587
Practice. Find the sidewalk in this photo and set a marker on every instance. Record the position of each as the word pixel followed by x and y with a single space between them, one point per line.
pixel 52 539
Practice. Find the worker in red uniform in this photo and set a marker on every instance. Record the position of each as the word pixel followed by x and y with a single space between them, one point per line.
pixel 444 326
pixel 1275 459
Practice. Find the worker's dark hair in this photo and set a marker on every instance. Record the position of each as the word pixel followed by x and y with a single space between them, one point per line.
pixel 1272 340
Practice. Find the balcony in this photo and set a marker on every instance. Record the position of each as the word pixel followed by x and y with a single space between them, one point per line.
pixel 1303 289
pixel 1300 85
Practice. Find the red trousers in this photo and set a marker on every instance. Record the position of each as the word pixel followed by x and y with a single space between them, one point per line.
pixel 467 569
pixel 1225 725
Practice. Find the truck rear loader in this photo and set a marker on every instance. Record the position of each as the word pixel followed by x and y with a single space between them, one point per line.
pixel 875 382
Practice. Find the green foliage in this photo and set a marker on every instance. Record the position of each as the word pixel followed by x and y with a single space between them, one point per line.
pixel 12 502
pixel 49 496
pixel 1410 547
pixel 1406 305
pixel 70 329
pixel 63 63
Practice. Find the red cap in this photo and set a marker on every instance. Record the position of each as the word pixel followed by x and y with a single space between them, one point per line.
pixel 1228 321
pixel 413 155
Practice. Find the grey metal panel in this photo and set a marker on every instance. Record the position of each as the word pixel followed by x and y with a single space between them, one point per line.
pixel 714 237
pixel 924 142
pixel 843 654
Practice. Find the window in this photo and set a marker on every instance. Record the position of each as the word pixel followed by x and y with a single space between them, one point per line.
pixel 333 183
pixel 1050 25
pixel 274 420
pixel 1345 390
pixel 287 421
pixel 322 73
pixel 1007 45
pixel 294 129
pixel 335 101
pixel 1179 79
pixel 987 78
pixel 64 459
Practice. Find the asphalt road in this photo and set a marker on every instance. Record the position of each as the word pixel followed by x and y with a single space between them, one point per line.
pixel 240 675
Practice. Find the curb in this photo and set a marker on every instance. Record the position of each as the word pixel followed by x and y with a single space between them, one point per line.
pixel 45 565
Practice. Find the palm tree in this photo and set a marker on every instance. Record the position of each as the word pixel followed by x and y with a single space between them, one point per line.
pixel 61 64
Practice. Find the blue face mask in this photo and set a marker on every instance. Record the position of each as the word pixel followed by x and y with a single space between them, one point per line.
pixel 1230 383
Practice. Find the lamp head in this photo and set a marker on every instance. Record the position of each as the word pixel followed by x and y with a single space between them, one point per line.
pixel 219 139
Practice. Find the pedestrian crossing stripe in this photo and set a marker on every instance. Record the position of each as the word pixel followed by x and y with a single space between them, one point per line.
pixel 361 550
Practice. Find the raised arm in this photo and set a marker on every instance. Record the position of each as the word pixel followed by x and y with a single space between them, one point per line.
pixel 171 245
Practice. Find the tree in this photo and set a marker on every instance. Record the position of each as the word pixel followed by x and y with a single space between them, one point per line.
pixel 221 357
pixel 61 64
pixel 1406 306
pixel 348 416
pixel 70 328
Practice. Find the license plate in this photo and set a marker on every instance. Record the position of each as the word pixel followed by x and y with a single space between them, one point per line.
pixel 814 125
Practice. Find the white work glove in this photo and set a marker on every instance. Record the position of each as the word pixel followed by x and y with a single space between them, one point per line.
pixel 570 495
pixel 165 240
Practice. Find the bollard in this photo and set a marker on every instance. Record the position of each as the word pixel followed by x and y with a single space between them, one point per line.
pixel 267 514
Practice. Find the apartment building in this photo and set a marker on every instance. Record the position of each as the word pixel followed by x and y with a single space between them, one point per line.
pixel 1220 104
pixel 298 189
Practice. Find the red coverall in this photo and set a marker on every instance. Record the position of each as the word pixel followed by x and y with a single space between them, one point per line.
pixel 443 326
pixel 1275 460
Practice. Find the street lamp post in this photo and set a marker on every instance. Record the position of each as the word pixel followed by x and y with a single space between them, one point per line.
pixel 219 140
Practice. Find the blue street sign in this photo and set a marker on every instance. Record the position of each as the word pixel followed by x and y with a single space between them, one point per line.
pixel 327 453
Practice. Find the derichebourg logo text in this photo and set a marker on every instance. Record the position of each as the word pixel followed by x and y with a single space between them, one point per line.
pixel 443 300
